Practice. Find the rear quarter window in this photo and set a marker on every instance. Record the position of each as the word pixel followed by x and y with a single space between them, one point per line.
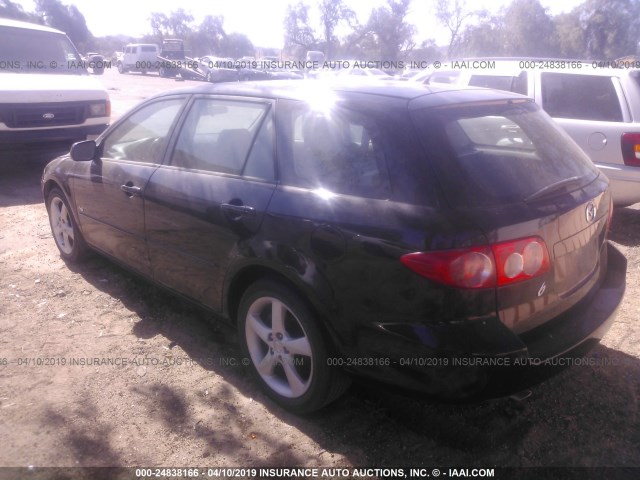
pixel 583 97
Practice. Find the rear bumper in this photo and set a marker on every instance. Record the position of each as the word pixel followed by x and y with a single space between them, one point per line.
pixel 587 321
pixel 71 134
pixel 624 182
pixel 483 358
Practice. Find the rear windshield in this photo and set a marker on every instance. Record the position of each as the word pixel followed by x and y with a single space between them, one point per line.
pixel 501 152
pixel 33 51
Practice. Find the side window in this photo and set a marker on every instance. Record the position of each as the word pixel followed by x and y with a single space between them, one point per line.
pixel 583 97
pixel 501 82
pixel 260 163
pixel 143 135
pixel 342 151
pixel 217 135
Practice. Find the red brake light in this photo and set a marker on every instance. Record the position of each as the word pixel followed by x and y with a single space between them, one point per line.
pixel 520 259
pixel 631 149
pixel 466 268
pixel 483 267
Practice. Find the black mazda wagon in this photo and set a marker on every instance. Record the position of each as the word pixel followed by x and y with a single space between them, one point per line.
pixel 441 240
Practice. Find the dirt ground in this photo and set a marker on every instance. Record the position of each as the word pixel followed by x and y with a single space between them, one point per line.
pixel 177 394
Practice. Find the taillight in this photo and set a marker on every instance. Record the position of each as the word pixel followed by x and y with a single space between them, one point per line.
pixel 520 259
pixel 631 149
pixel 483 267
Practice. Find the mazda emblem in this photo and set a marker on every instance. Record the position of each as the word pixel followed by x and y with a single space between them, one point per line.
pixel 590 212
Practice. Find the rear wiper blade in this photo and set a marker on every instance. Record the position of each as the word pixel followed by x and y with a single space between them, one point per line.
pixel 553 188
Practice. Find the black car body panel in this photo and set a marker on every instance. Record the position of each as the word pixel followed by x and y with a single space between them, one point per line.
pixel 339 235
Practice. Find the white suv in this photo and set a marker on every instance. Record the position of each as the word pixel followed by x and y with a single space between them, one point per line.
pixel 46 93
pixel 598 107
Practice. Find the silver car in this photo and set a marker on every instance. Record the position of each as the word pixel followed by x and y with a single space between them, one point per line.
pixel 598 107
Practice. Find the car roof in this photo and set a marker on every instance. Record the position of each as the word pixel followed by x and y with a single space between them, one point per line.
pixel 5 22
pixel 513 66
pixel 429 95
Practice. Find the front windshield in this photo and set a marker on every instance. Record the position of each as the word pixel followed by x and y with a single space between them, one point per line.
pixel 32 51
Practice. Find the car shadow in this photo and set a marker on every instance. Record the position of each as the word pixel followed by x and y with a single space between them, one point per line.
pixel 625 226
pixel 585 416
pixel 21 171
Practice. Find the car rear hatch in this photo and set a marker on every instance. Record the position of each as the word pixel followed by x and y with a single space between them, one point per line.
pixel 505 168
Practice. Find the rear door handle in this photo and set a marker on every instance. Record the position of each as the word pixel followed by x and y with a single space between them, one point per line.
pixel 238 210
pixel 131 190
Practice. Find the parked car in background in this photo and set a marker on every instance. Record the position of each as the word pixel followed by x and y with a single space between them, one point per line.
pixel 46 93
pixel 598 107
pixel 444 240
pixel 365 73
pixel 95 62
pixel 263 70
pixel 139 57
pixel 217 69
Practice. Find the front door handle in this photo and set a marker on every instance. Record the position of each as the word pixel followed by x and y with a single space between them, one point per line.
pixel 130 189
pixel 238 211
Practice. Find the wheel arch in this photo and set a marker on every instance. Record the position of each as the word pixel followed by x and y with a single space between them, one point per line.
pixel 243 278
pixel 52 183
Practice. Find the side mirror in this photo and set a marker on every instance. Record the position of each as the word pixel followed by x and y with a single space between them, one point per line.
pixel 83 151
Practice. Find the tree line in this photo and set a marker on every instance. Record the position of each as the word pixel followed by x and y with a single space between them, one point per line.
pixel 595 29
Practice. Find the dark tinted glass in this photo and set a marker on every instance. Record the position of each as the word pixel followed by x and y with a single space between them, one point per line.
pixel 489 154
pixel 217 135
pixel 340 150
pixel 143 135
pixel 583 97
pixel 260 163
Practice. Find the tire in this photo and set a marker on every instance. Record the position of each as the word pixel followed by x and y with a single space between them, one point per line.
pixel 64 229
pixel 289 356
pixel 121 68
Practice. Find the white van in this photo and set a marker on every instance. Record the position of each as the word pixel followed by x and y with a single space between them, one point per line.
pixel 46 93
pixel 139 57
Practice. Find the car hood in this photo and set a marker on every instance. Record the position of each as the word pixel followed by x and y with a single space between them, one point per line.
pixel 52 87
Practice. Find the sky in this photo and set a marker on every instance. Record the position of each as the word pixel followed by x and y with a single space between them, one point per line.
pixel 261 20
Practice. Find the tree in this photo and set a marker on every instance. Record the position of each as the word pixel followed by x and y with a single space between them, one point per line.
pixel 8 9
pixel 332 13
pixel 207 40
pixel 528 30
pixel 159 23
pixel 177 24
pixel 236 45
pixel 608 31
pixel 65 18
pixel 454 14
pixel 387 36
pixel 569 35
pixel 299 36
pixel 486 39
